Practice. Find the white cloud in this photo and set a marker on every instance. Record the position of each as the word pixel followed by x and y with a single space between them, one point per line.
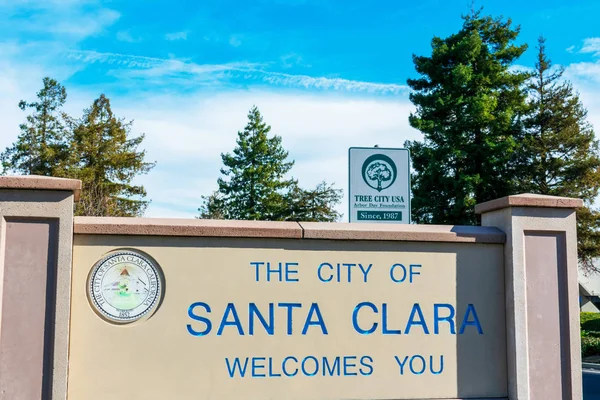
pixel 584 73
pixel 21 81
pixel 176 35
pixel 570 49
pixel 585 77
pixel 591 45
pixel 305 81
pixel 158 66
pixel 186 136
pixel 235 41
pixel 293 59
pixel 79 25
pixel 125 36
pixel 129 66
pixel 64 19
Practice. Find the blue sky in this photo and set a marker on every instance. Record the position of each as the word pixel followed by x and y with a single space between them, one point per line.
pixel 326 74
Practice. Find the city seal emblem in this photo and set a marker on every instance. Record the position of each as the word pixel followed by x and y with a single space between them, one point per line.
pixel 125 286
pixel 379 172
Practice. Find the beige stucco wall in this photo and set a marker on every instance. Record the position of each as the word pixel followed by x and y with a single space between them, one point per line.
pixel 159 359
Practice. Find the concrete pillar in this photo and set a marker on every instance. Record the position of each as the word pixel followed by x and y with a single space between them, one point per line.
pixel 542 308
pixel 36 235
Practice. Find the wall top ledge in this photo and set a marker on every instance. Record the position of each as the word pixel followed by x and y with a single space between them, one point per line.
pixel 185 227
pixel 37 182
pixel 398 232
pixel 528 200
pixel 289 230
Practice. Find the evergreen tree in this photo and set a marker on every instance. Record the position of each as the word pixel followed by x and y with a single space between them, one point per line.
pixel 314 205
pixel 213 207
pixel 42 146
pixel 106 160
pixel 560 155
pixel 468 103
pixel 255 187
pixel 255 173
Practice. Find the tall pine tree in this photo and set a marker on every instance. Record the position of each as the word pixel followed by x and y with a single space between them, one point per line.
pixel 560 155
pixel 254 184
pixel 107 160
pixel 42 146
pixel 468 102
pixel 254 181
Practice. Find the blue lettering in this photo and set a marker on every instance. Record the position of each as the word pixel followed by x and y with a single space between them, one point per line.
pixel 437 319
pixel 355 318
pixel 411 365
pixel 331 370
pixel 255 367
pixel 316 366
pixel 466 322
pixel 319 272
pixel 349 365
pixel 256 265
pixel 393 276
pixel 441 365
pixel 314 309
pixel 385 330
pixel 289 271
pixel 271 374
pixel 236 366
pixel 285 360
pixel 253 311
pixel 414 272
pixel 401 364
pixel 367 365
pixel 195 317
pixel 236 320
pixel 411 320
pixel 349 267
pixel 289 307
pixel 273 271
pixel 365 271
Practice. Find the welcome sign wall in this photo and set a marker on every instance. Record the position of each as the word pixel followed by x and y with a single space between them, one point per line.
pixel 379 185
pixel 297 321
pixel 153 309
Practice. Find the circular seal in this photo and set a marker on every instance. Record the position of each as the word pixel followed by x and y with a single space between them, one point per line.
pixel 379 172
pixel 125 286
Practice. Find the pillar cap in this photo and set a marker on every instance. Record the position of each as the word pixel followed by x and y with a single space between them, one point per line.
pixel 38 182
pixel 528 200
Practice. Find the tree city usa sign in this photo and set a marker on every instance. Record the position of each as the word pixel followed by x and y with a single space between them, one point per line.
pixel 379 185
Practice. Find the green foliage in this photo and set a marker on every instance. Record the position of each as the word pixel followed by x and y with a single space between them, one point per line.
pixel 468 103
pixel 590 346
pixel 560 155
pixel 213 207
pixel 254 184
pixel 590 333
pixel 590 322
pixel 106 160
pixel 491 132
pixel 256 173
pixel 588 316
pixel 312 205
pixel 95 149
pixel 594 334
pixel 41 148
